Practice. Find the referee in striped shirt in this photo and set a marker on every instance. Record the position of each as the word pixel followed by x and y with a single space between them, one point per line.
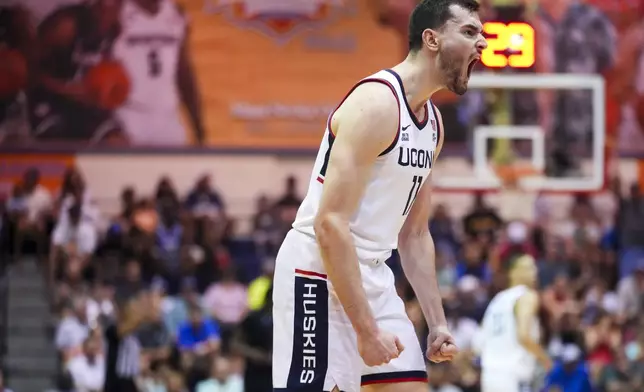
pixel 122 365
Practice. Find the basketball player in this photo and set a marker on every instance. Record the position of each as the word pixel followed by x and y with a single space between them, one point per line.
pixel 338 322
pixel 71 40
pixel 510 349
pixel 153 48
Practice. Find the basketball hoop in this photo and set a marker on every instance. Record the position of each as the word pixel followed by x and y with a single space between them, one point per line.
pixel 511 174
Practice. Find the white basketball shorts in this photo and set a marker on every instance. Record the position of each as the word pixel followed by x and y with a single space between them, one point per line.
pixel 314 344
pixel 153 128
pixel 499 381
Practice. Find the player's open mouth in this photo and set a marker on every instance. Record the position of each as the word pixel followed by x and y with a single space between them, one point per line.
pixel 470 67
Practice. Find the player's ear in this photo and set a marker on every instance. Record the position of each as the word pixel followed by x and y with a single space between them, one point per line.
pixel 430 39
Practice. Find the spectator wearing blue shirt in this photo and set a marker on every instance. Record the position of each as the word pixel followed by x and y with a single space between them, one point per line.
pixel 198 338
pixel 570 374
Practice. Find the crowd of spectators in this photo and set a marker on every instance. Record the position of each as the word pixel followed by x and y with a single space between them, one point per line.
pixel 164 296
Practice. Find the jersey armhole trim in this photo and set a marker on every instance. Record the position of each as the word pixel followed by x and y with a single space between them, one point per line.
pixel 439 130
pixel 363 81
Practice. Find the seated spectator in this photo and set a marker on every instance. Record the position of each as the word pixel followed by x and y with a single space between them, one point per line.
pixel 482 223
pixel 473 263
pixel 166 194
pixel 630 290
pixel 570 374
pixel 72 237
pixel 100 306
pixel 290 198
pixel 198 337
pixel 88 370
pixel 204 200
pixel 265 234
pixel 131 283
pixel 602 340
pixel 39 212
pixel 222 379
pixel 145 217
pixel 72 329
pixel 176 309
pixel 169 241
pixel 261 285
pixel 442 228
pixel 174 382
pixel 156 342
pixel 254 341
pixel 441 379
pixel 227 302
pixel 558 298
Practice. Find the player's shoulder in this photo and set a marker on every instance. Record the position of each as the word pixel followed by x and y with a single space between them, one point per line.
pixel 529 296
pixel 374 97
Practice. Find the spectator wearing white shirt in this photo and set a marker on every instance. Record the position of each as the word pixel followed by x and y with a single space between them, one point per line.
pixel 39 205
pixel 72 329
pixel 88 370
pixel 221 378
pixel 72 237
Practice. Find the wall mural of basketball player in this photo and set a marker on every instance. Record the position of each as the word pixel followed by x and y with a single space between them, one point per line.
pixel 71 41
pixel 16 43
pixel 152 47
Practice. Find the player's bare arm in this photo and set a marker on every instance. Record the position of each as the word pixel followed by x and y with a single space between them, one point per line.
pixel 189 92
pixel 364 126
pixel 526 310
pixel 417 254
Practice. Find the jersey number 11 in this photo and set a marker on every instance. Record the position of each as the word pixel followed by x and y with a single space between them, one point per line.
pixel 417 181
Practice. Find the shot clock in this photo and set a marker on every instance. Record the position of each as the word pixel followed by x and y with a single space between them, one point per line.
pixel 509 45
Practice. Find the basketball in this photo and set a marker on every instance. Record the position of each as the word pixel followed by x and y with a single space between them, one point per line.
pixel 13 72
pixel 108 83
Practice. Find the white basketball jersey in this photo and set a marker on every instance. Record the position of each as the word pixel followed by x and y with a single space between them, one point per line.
pixel 396 178
pixel 149 47
pixel 500 347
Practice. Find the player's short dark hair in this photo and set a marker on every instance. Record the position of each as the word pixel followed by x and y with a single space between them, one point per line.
pixel 432 14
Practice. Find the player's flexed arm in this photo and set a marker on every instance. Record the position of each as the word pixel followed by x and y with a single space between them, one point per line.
pixel 364 125
pixel 417 254
pixel 525 312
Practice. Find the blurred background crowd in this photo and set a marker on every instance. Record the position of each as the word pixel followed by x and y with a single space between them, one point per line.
pixel 169 290
pixel 167 273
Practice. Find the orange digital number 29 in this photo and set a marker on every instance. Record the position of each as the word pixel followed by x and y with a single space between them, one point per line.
pixel 516 37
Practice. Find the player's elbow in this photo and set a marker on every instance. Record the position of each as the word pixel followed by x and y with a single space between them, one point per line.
pixel 328 227
pixel 524 338
pixel 411 232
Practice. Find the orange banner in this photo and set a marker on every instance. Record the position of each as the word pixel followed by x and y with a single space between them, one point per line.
pixel 271 71
pixel 51 167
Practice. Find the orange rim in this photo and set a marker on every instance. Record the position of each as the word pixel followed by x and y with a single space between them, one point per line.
pixel 511 174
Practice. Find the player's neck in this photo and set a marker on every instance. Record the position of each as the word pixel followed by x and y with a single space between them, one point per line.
pixel 420 79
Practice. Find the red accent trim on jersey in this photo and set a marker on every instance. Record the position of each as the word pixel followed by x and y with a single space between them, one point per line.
pixel 363 81
pixel 310 273
pixel 320 180
pixel 394 380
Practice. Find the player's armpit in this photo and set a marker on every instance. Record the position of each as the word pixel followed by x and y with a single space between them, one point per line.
pixel 364 126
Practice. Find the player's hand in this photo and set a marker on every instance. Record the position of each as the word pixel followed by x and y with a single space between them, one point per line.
pixel 441 345
pixel 380 348
pixel 547 364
